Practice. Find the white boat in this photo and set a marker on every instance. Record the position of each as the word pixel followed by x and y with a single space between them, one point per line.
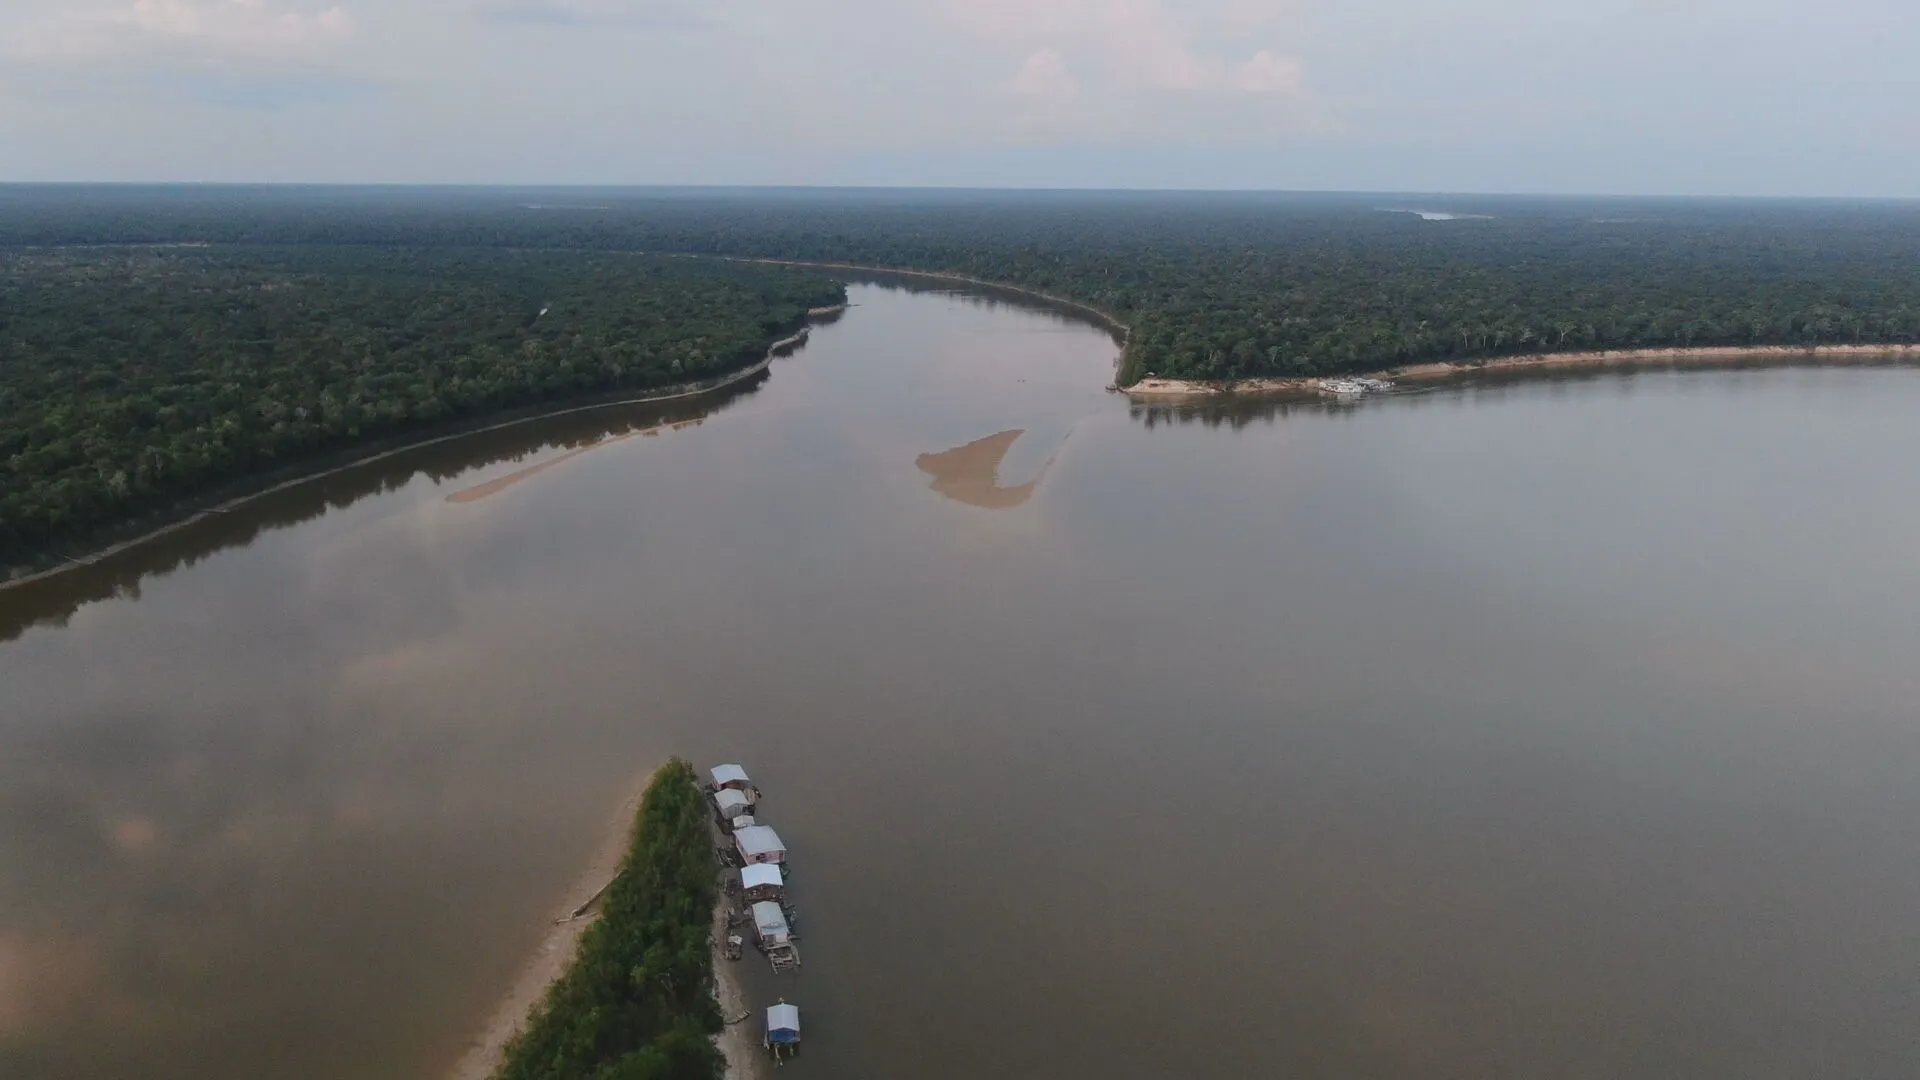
pixel 1342 387
pixel 783 1031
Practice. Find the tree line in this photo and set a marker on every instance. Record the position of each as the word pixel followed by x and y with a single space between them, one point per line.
pixel 1217 285
pixel 134 377
pixel 134 371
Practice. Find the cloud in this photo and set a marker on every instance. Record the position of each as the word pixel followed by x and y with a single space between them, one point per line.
pixel 1269 74
pixel 1140 44
pixel 263 93
pixel 1252 14
pixel 244 27
pixel 1045 75
pixel 641 14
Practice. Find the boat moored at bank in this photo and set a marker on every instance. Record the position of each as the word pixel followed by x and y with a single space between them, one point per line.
pixel 763 881
pixel 782 1039
pixel 759 844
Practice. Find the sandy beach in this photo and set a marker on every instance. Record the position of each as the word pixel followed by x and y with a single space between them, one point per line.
pixel 739 1042
pixel 577 911
pixel 1189 389
pixel 570 919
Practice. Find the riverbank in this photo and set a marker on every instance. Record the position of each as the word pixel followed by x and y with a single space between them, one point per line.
pixel 1105 318
pixel 746 1058
pixel 1721 356
pixel 557 946
pixel 638 991
pixel 195 511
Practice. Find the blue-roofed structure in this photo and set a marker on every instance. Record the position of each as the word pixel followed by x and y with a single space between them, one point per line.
pixel 783 1030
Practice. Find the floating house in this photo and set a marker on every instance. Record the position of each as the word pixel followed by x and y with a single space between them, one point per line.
pixel 759 844
pixel 774 936
pixel 763 881
pixel 731 778
pixel 731 803
pixel 770 923
pixel 744 821
pixel 783 1030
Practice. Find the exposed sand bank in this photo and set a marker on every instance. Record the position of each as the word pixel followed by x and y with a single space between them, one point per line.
pixel 1188 389
pixel 577 911
pixel 971 473
pixel 1194 388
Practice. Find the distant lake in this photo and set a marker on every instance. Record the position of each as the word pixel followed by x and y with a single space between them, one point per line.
pixel 1556 728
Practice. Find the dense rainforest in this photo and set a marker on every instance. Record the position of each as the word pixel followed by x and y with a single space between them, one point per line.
pixel 133 369
pixel 1215 285
pixel 638 1002
pixel 131 378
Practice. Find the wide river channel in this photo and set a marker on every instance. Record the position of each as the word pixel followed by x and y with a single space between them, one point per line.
pixel 1560 728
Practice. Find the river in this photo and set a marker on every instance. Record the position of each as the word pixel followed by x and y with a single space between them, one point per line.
pixel 1557 728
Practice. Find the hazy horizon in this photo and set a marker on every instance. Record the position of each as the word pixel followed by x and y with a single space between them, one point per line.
pixel 953 189
pixel 1594 97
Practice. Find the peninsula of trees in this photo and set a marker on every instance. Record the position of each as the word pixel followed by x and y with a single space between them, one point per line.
pixel 638 1000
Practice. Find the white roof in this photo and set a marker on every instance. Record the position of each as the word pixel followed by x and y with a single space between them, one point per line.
pixel 726 798
pixel 754 875
pixel 759 840
pixel 770 919
pixel 742 821
pixel 729 774
pixel 783 1017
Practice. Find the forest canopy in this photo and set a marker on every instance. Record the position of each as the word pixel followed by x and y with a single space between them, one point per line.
pixel 134 377
pixel 1215 285
pixel 313 317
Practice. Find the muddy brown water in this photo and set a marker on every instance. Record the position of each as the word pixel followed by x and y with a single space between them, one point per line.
pixel 1560 728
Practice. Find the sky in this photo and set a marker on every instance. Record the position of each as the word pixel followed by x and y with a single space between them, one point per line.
pixel 1682 97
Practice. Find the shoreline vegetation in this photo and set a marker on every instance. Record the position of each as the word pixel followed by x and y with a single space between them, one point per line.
pixel 113 539
pixel 1155 387
pixel 1113 323
pixel 164 349
pixel 1213 286
pixel 140 386
pixel 550 960
pixel 558 945
pixel 639 997
pixel 1152 388
pixel 1704 357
